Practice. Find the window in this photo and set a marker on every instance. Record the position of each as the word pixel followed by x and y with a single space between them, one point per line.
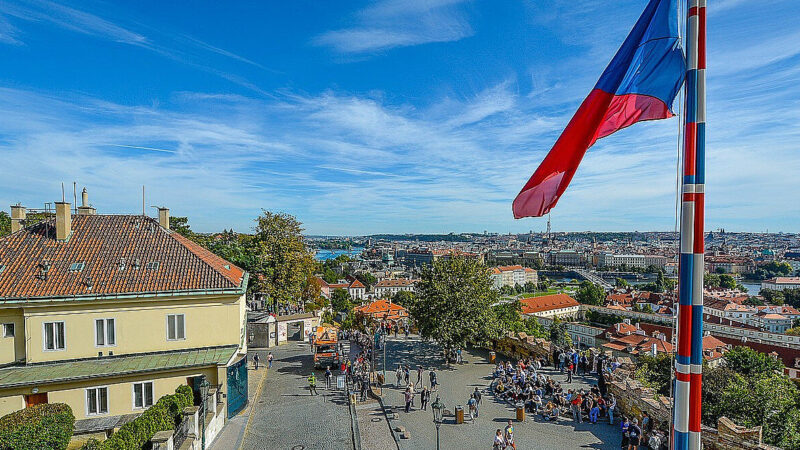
pixel 105 333
pixel 8 330
pixel 175 327
pixel 143 394
pixel 54 336
pixel 96 401
pixel 76 267
pixel 152 265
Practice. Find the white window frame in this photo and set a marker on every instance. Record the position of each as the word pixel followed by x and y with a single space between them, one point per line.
pixel 13 330
pixel 176 338
pixel 44 337
pixel 105 332
pixel 97 398
pixel 133 394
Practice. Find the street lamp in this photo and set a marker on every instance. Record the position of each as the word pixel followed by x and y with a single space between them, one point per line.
pixel 438 410
pixel 203 395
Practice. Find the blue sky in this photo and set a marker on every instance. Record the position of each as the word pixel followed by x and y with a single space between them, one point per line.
pixel 385 116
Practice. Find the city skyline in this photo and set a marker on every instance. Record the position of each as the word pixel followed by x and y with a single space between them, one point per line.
pixel 302 109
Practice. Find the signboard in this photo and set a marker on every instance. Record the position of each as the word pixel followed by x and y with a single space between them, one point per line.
pixel 340 379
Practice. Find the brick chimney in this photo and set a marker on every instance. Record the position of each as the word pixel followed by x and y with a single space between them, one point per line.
pixel 18 215
pixel 85 209
pixel 63 221
pixel 163 217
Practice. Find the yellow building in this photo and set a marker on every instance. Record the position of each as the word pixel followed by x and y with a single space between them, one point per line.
pixel 107 313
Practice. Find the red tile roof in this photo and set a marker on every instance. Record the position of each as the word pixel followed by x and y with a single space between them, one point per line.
pixel 116 251
pixel 382 309
pixel 534 305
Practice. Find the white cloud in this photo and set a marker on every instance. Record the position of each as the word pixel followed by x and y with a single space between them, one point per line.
pixel 392 23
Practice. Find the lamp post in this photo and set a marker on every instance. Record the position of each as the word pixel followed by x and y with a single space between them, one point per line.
pixel 203 396
pixel 438 410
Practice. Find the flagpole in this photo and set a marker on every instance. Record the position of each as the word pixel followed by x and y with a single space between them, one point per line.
pixel 689 358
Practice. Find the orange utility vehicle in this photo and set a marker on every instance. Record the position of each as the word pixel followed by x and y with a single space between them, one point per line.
pixel 326 347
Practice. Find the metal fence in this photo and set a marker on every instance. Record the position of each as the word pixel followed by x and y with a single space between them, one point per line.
pixel 181 433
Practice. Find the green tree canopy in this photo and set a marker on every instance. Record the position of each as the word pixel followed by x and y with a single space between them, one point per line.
pixel 558 334
pixel 181 226
pixel 727 281
pixel 341 300
pixel 453 303
pixel 367 279
pixel 749 362
pixel 5 223
pixel 590 294
pixel 281 256
pixel 404 298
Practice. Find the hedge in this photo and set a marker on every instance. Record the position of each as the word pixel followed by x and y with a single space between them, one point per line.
pixel 48 425
pixel 166 414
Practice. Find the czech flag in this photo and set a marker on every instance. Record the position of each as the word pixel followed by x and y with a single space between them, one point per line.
pixel 639 84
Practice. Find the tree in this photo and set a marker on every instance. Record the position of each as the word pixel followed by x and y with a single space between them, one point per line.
pixel 590 294
pixel 453 303
pixel 621 283
pixel 655 372
pixel 727 281
pixel 367 279
pixel 559 335
pixel 711 280
pixel 772 296
pixel 749 362
pixel 341 301
pixel 754 301
pixel 281 256
pixel 404 298
pixel 5 223
pixel 530 286
pixel 181 226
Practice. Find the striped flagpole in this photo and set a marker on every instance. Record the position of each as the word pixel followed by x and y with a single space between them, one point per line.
pixel 699 76
pixel 689 358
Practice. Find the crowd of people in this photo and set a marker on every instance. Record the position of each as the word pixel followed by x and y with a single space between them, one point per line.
pixel 525 385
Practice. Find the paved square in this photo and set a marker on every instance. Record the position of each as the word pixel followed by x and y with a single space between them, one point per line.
pixel 456 384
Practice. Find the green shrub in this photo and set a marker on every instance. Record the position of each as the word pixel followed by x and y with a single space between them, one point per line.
pixel 166 414
pixel 40 426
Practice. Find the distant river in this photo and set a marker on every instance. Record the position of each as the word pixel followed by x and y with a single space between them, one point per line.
pixel 324 255
pixel 752 288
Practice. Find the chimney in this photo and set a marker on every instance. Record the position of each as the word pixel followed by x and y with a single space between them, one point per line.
pixel 655 349
pixel 63 221
pixel 163 217
pixel 85 209
pixel 18 214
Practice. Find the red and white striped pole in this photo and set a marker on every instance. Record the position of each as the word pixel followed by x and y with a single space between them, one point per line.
pixel 689 357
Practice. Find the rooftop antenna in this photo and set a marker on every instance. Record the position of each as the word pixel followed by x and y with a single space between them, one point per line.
pixel 143 212
pixel 63 195
pixel 75 197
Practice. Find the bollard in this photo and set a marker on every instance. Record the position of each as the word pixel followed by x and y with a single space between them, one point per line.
pixel 520 412
pixel 492 357
pixel 459 414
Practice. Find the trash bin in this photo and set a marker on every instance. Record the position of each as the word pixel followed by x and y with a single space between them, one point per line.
pixel 459 414
pixel 520 412
pixel 492 357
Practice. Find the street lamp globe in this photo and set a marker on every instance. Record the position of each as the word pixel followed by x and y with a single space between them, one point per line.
pixel 438 410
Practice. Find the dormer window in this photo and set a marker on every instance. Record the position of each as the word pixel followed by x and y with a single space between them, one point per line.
pixel 77 267
pixel 153 265
pixel 2 268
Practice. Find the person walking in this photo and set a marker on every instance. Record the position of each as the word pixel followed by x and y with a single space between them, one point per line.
pixel 312 384
pixel 434 381
pixel 569 373
pixel 399 374
pixel 508 434
pixel 576 408
pixel 477 394
pixel 612 406
pixel 472 407
pixel 420 371
pixel 407 374
pixel 499 440
pixel 269 360
pixel 408 396
pixel 255 360
pixel 623 427
pixel 364 387
pixel 424 398
pixel 328 377
pixel 634 435
pixel 459 357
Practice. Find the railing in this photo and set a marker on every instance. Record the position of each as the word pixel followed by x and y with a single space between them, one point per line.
pixel 182 432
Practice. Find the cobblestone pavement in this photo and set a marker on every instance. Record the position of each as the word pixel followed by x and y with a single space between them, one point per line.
pixel 285 416
pixel 456 384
